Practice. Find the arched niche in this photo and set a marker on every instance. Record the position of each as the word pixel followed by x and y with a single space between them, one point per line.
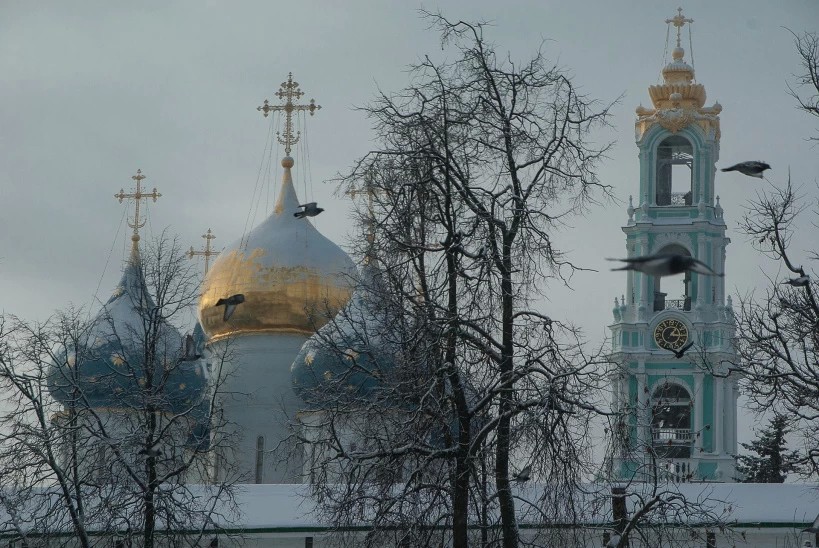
pixel 671 434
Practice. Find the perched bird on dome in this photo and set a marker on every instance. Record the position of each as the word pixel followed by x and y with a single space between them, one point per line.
pixel 666 265
pixel 801 281
pixel 681 352
pixel 751 169
pixel 230 304
pixel 310 210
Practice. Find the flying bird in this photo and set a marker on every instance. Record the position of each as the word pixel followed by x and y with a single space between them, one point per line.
pixel 189 347
pixel 666 265
pixel 523 475
pixel 681 352
pixel 310 210
pixel 801 281
pixel 751 169
pixel 230 304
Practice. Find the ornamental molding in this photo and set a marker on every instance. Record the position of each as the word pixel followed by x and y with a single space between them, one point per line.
pixel 672 379
pixel 677 118
pixel 666 238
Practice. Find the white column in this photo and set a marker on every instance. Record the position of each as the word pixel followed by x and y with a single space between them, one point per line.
pixel 703 291
pixel 698 410
pixel 733 401
pixel 644 300
pixel 616 393
pixel 643 421
pixel 719 415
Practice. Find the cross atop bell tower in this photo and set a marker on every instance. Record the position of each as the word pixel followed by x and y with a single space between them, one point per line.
pixel 678 21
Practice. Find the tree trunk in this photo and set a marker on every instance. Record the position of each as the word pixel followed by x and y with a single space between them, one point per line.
pixel 509 526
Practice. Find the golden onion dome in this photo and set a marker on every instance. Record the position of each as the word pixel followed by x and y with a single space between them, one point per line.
pixel 293 279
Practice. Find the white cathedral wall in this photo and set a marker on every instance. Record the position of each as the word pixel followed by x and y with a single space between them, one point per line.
pixel 257 399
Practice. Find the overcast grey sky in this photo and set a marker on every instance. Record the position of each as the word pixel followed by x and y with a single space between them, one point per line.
pixel 91 91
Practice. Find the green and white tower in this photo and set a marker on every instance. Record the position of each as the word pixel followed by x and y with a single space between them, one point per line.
pixel 680 413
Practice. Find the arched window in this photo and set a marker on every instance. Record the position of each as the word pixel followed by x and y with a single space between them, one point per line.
pixel 260 459
pixel 675 168
pixel 677 294
pixel 671 421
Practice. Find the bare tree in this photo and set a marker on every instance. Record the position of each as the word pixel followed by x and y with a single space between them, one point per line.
pixel 110 421
pixel 479 160
pixel 778 331
pixel 807 48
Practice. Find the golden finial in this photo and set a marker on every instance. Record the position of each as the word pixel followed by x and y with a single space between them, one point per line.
pixel 137 196
pixel 287 92
pixel 207 253
pixel 679 21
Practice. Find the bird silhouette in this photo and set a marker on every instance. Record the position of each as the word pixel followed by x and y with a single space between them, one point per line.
pixel 801 281
pixel 751 169
pixel 230 304
pixel 189 350
pixel 681 352
pixel 666 265
pixel 523 474
pixel 309 210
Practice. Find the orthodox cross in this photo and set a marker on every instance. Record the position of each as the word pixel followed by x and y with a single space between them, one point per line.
pixel 207 253
pixel 137 196
pixel 287 92
pixel 679 21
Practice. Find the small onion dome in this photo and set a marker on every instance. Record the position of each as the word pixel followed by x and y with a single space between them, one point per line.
pixel 107 367
pixel 293 279
pixel 348 358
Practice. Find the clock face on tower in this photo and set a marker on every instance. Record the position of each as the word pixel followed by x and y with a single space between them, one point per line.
pixel 671 334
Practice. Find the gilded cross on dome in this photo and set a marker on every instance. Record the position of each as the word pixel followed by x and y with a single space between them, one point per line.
pixel 287 92
pixel 679 21
pixel 137 196
pixel 207 253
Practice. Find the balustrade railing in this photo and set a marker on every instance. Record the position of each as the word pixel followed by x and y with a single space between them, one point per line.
pixel 672 435
pixel 676 470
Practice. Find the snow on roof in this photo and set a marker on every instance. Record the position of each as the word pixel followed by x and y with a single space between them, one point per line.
pixel 276 506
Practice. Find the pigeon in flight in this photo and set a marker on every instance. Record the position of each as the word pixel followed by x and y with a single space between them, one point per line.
pixel 681 352
pixel 230 304
pixel 152 452
pixel 189 346
pixel 666 265
pixel 523 475
pixel 801 281
pixel 310 210
pixel 751 169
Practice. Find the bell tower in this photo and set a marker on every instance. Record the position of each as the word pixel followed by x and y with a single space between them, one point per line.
pixel 679 413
